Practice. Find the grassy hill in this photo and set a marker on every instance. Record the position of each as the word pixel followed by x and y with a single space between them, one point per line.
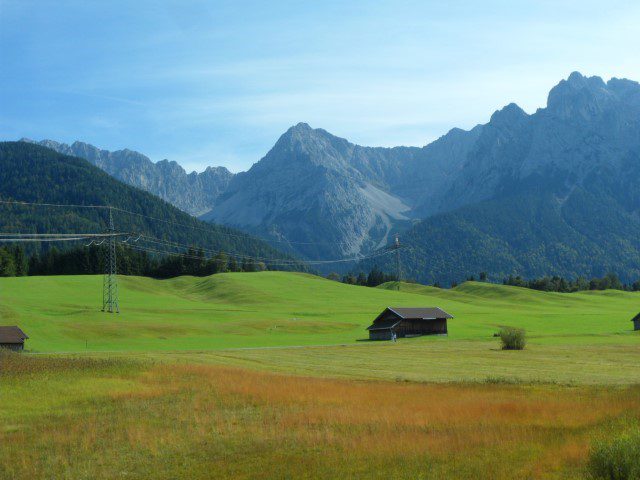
pixel 279 309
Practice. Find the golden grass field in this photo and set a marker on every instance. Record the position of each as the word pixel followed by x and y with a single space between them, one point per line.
pixel 116 418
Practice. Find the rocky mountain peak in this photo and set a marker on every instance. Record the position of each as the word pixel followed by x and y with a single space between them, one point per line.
pixel 194 193
pixel 305 147
pixel 627 90
pixel 218 171
pixel 508 115
pixel 170 166
pixel 303 132
pixel 301 127
pixel 296 133
pixel 579 97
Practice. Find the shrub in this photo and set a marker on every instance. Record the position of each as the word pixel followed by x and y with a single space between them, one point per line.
pixel 616 459
pixel 512 338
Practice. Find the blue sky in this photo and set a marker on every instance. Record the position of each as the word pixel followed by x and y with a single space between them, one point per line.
pixel 217 82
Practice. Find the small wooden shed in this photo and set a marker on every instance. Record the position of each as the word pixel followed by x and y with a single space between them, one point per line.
pixel 12 338
pixel 409 322
pixel 636 322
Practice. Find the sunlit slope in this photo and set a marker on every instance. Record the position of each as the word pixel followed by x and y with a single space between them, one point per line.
pixel 277 309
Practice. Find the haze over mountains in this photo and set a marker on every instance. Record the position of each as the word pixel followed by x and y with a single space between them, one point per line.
pixel 552 192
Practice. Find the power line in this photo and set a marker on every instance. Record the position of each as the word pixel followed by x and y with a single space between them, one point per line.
pixel 212 230
pixel 271 261
pixel 195 227
pixel 52 237
pixel 110 302
pixel 235 235
pixel 65 239
pixel 85 235
pixel 215 252
pixel 38 204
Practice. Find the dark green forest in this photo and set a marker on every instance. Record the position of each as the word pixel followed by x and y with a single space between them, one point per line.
pixel 587 233
pixel 91 260
pixel 559 284
pixel 35 174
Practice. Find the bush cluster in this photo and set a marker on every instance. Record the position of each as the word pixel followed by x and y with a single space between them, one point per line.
pixel 512 338
pixel 617 458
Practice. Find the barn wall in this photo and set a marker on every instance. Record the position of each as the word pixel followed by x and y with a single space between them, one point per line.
pixel 12 346
pixel 379 334
pixel 636 324
pixel 421 327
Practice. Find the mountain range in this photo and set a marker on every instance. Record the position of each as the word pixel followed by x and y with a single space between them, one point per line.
pixel 554 192
pixel 194 193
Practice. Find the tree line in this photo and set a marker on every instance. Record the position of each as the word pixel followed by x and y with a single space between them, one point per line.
pixel 556 283
pixel 92 260
pixel 374 278
pixel 560 284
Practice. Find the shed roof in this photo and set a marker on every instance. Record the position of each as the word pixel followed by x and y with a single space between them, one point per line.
pixel 637 317
pixel 406 313
pixel 422 313
pixel 12 334
pixel 385 324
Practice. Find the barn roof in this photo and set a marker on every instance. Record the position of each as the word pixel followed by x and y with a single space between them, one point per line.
pixel 406 313
pixel 424 313
pixel 637 317
pixel 385 324
pixel 12 334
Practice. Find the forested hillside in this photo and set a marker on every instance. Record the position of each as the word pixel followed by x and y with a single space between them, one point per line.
pixel 531 234
pixel 35 174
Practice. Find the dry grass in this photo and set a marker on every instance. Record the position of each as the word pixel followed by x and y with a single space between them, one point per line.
pixel 203 421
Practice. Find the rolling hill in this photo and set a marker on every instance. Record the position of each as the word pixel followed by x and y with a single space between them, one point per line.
pixel 233 310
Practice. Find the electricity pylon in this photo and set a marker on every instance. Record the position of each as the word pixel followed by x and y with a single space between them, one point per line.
pixel 398 270
pixel 110 281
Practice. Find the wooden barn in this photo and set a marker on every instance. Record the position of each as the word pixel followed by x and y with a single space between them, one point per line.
pixel 636 322
pixel 12 338
pixel 408 322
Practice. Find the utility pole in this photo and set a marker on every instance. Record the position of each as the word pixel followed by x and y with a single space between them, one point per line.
pixel 110 281
pixel 397 249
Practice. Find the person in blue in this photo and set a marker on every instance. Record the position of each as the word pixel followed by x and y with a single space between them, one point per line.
pixel 393 336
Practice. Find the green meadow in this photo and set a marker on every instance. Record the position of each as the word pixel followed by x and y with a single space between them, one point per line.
pixel 270 375
pixel 240 310
pixel 303 324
